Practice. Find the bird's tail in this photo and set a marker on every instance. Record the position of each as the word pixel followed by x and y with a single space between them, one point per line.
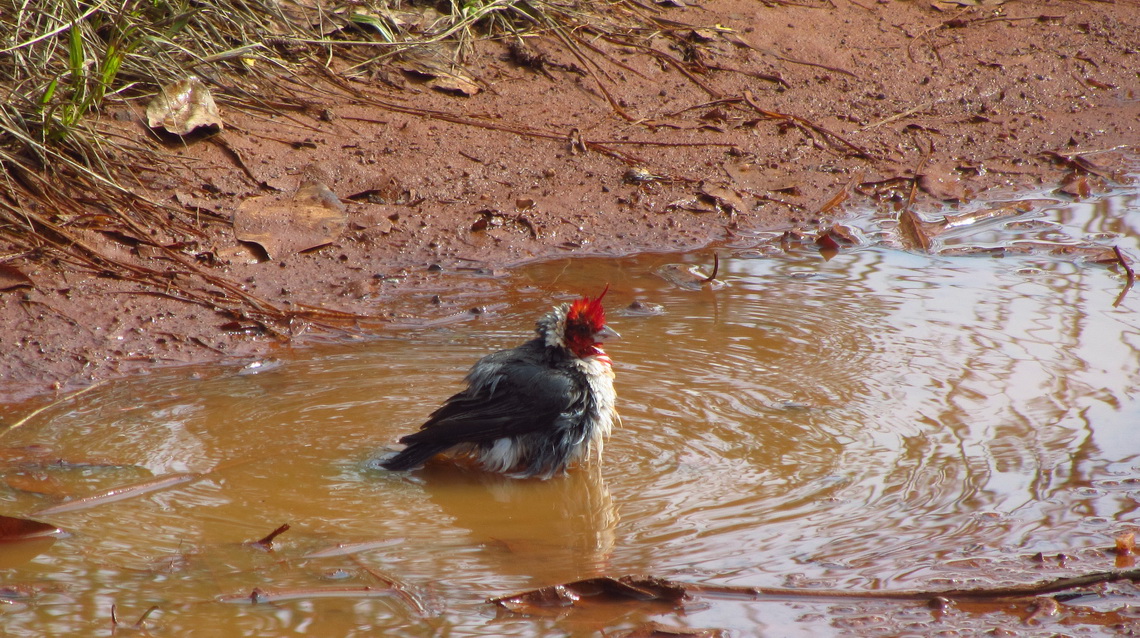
pixel 412 456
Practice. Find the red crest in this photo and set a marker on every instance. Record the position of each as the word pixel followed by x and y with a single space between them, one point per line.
pixel 588 312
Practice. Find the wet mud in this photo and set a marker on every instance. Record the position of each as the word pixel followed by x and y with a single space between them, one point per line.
pixel 756 116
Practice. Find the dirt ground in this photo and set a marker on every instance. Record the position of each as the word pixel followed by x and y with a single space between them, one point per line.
pixel 761 115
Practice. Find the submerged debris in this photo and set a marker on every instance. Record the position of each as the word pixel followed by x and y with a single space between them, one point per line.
pixel 690 276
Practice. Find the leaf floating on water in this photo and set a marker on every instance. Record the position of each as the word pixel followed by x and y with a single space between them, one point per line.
pixel 183 106
pixel 22 529
pixel 36 483
pixel 1125 549
pixel 828 247
pixel 913 232
pixel 831 240
pixel 311 218
pixel 119 494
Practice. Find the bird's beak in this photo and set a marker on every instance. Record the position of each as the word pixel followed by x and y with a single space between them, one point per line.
pixel 606 334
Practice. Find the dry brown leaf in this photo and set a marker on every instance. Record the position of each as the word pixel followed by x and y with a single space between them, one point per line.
pixel 939 180
pixel 311 218
pixel 723 197
pixel 757 177
pixel 12 278
pixel 913 232
pixel 22 529
pixel 441 73
pixel 1126 543
pixel 36 483
pixel 182 107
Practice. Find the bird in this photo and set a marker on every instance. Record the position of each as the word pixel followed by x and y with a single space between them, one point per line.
pixel 533 410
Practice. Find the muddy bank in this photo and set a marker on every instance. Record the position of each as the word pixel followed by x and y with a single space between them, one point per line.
pixel 752 117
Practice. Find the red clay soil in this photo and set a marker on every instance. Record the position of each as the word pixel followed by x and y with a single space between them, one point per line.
pixel 672 146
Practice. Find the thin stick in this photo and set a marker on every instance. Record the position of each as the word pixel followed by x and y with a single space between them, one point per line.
pixel 267 542
pixel 1127 271
pixel 34 413
pixel 996 593
pixel 799 121
pixel 716 269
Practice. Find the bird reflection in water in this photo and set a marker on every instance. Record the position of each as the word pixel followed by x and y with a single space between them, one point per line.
pixel 550 531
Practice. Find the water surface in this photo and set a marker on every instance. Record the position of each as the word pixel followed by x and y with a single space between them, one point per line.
pixel 882 420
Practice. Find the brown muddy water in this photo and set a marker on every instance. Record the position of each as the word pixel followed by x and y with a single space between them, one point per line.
pixel 883 420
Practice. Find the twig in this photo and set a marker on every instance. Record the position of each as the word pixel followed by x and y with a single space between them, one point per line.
pixel 142 618
pixel 897 116
pixel 267 542
pixel 996 593
pixel 716 269
pixel 573 48
pixel 799 121
pixel 759 76
pixel 1127 271
pixel 397 587
pixel 34 413
pixel 672 61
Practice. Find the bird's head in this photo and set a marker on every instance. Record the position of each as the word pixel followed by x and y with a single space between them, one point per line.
pixel 579 326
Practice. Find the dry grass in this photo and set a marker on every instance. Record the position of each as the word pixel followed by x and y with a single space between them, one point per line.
pixel 63 63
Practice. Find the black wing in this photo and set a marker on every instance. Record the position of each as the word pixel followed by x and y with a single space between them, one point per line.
pixel 518 393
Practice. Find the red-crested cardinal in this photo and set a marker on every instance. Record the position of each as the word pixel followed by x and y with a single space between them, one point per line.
pixel 532 410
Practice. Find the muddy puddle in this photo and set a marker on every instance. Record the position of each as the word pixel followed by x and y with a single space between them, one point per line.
pixel 881 420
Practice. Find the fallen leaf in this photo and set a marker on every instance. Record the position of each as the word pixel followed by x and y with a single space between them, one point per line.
pixel 36 483
pixel 939 180
pixel 1105 169
pixel 22 529
pixel 1078 185
pixel 1126 543
pixel 829 244
pixel 723 197
pixel 311 218
pixel 441 73
pixel 757 177
pixel 12 278
pixel 183 106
